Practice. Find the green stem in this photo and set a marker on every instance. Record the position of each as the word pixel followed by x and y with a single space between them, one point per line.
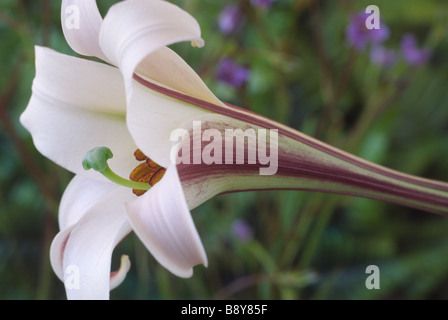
pixel 112 176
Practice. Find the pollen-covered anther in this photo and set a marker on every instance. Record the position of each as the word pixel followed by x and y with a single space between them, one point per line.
pixel 139 155
pixel 147 172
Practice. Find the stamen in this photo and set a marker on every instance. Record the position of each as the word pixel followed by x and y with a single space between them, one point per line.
pixel 96 159
pixel 140 156
pixel 148 172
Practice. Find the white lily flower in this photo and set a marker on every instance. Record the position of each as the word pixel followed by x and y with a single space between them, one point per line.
pixel 78 105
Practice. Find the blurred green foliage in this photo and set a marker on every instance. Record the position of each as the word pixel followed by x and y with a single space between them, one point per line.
pixel 305 245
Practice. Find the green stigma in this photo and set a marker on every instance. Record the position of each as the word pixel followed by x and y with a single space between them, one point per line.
pixel 97 158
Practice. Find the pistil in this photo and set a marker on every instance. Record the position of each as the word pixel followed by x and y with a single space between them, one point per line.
pixel 97 158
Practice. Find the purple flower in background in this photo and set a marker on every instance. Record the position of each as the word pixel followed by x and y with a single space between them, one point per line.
pixel 382 56
pixel 411 53
pixel 359 36
pixel 231 73
pixel 264 4
pixel 230 19
pixel 241 230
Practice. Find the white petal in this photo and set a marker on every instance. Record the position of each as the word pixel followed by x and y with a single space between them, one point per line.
pixel 80 195
pixel 152 117
pixel 163 222
pixel 57 258
pixel 57 251
pixel 166 67
pixel 81 23
pixel 78 105
pixel 85 247
pixel 134 29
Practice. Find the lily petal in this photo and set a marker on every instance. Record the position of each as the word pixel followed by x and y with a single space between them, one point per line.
pixel 300 164
pixel 147 110
pixel 57 255
pixel 167 67
pixel 82 194
pixel 57 251
pixel 134 29
pixel 81 23
pixel 92 230
pixel 163 222
pixel 67 92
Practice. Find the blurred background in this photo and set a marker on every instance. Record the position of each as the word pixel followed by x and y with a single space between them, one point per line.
pixel 308 64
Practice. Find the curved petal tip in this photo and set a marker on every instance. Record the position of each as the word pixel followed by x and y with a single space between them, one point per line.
pixel 134 29
pixel 81 23
pixel 117 277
